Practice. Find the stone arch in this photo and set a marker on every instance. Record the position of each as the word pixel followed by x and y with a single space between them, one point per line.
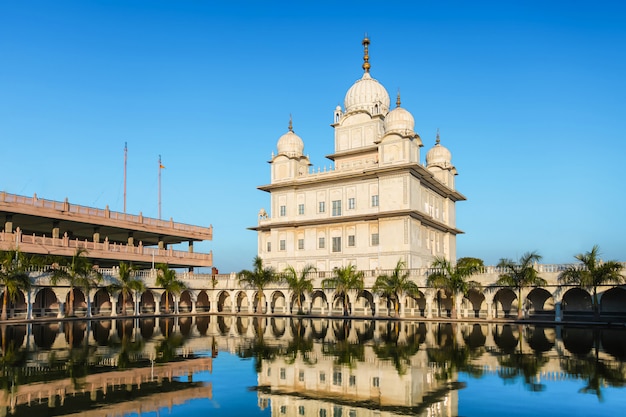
pixel 243 304
pixel 540 339
pixel 540 304
pixel 46 303
pixel 16 307
pixel 124 328
pixel 185 302
pixel 364 304
pixel 319 302
pixel 12 336
pixel 278 303
pixel 475 302
pixel 169 297
pixel 613 302
pixel 129 308
pixel 504 304
pixel 184 325
pixel 202 324
pixel 576 302
pixel 147 303
pixel 241 324
pixel 166 325
pixel 319 329
pixel 224 302
pixel 80 302
pixel 415 306
pixel 102 302
pixel 443 303
pixel 203 304
pixel 293 304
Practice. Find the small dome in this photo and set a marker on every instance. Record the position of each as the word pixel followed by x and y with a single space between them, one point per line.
pixel 399 120
pixel 439 156
pixel 367 94
pixel 290 144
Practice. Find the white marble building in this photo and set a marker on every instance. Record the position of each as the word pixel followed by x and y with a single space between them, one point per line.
pixel 380 202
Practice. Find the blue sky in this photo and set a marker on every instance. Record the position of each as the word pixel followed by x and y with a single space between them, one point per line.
pixel 528 96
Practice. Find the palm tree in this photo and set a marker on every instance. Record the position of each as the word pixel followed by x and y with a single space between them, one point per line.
pixel 519 275
pixel 78 273
pixel 13 277
pixel 345 279
pixel 592 273
pixel 166 279
pixel 453 279
pixel 299 284
pixel 259 278
pixel 127 282
pixel 396 285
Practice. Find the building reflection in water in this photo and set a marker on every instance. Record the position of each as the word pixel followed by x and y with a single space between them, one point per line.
pixel 310 367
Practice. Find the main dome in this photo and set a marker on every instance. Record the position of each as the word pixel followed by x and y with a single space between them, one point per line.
pixel 367 94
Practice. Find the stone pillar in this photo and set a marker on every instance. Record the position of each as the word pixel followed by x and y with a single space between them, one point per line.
pixel 56 231
pixel 96 235
pixel 29 304
pixel 61 313
pixel 8 224
pixel 157 305
pixel 176 302
pixel 161 243
pixel 193 306
pixel 131 239
pixel 113 306
pixel 191 246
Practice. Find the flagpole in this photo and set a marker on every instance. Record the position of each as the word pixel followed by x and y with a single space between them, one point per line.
pixel 125 160
pixel 160 166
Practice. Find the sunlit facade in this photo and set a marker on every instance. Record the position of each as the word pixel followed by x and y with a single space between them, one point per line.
pixel 378 204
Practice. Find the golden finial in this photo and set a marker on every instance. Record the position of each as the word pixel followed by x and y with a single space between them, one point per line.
pixel 437 141
pixel 366 57
pixel 290 123
pixel 398 99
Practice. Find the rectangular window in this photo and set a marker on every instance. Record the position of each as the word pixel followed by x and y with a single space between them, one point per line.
pixel 300 244
pixel 351 204
pixel 337 378
pixel 321 243
pixel 337 411
pixel 283 211
pixel 322 412
pixel 352 380
pixel 322 206
pixel 375 382
pixel 301 376
pixel 337 244
pixel 300 208
pixel 269 246
pixel 283 409
pixel 301 410
pixel 375 200
pixel 374 239
pixel 352 413
pixel 322 377
pixel 282 373
pixel 350 240
pixel 282 244
pixel 336 207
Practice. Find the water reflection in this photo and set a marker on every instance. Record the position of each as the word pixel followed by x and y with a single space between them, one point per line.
pixel 333 367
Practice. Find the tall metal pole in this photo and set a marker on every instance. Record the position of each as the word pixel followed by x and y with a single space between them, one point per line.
pixel 125 160
pixel 160 167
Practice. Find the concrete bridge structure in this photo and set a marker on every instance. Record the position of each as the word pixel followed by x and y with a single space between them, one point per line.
pixel 222 294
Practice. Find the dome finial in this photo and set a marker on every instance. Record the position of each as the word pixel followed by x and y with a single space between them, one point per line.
pixel 398 99
pixel 290 123
pixel 437 141
pixel 366 56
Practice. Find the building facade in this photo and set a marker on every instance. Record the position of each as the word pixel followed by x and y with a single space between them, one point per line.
pixel 379 204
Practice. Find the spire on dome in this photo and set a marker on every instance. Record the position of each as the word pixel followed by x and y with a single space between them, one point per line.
pixel 290 123
pixel 366 57
pixel 437 141
pixel 398 99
